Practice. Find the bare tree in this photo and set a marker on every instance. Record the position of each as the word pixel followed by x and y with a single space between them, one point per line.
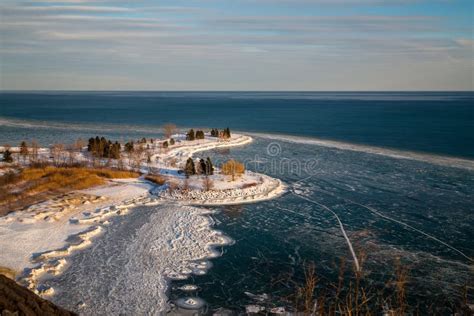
pixel 135 157
pixel 208 184
pixel 71 154
pixel 171 186
pixel 173 162
pixel 185 184
pixel 120 163
pixel 34 152
pixel 79 144
pixel 57 153
pixel 232 168
pixel 24 151
pixel 169 129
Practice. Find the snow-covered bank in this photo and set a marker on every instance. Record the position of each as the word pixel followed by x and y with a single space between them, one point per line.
pixel 263 188
pixel 187 149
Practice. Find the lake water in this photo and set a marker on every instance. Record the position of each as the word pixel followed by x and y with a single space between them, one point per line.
pixel 419 212
pixel 434 122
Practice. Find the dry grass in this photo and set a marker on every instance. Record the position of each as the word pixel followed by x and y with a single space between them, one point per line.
pixel 32 185
pixel 160 180
pixel 352 295
pixel 53 178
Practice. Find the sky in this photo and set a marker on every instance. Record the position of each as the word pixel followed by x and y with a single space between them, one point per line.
pixel 311 45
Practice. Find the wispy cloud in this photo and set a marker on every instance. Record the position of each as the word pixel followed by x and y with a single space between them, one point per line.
pixel 182 39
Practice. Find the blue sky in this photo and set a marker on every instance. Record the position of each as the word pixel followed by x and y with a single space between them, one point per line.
pixel 236 45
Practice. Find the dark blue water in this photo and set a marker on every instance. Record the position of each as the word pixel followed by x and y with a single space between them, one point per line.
pixel 275 239
pixel 434 122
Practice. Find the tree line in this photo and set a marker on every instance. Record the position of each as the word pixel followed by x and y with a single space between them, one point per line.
pixel 199 134
pixel 225 133
pixel 103 148
pixel 203 167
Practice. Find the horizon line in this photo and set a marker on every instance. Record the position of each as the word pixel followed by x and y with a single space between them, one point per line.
pixel 286 91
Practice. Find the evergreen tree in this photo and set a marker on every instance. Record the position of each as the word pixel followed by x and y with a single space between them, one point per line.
pixel 189 170
pixel 90 144
pixel 203 166
pixel 165 144
pixel 115 151
pixel 227 133
pixel 190 135
pixel 7 156
pixel 107 149
pixel 199 135
pixel 209 167
pixel 172 141
pixel 129 146
pixel 101 147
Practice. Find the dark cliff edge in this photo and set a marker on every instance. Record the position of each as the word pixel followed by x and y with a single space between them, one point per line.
pixel 17 300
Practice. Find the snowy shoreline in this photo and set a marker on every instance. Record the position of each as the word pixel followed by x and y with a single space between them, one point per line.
pixel 269 188
pixel 50 232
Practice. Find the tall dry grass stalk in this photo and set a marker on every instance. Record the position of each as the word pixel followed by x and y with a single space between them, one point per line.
pixel 353 295
pixel 349 296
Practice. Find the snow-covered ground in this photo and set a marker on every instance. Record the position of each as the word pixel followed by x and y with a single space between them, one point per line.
pixel 42 228
pixel 129 274
pixel 37 242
